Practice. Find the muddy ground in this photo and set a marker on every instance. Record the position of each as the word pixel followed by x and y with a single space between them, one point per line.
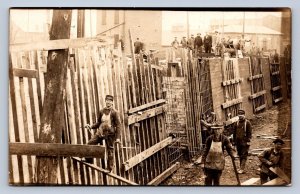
pixel 272 122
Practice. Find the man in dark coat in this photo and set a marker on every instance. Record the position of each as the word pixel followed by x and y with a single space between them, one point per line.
pixel 138 46
pixel 242 134
pixel 198 43
pixel 272 157
pixel 109 129
pixel 207 40
pixel 213 159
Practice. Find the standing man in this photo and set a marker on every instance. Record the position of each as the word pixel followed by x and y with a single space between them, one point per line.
pixel 183 42
pixel 272 157
pixel 191 42
pixel 242 134
pixel 138 45
pixel 207 40
pixel 213 160
pixel 175 43
pixel 217 44
pixel 198 44
pixel 110 125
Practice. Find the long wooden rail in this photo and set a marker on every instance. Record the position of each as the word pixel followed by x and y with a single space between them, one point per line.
pixel 56 149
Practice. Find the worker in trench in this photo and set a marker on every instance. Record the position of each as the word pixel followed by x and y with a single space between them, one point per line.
pixel 213 159
pixel 108 128
pixel 242 134
pixel 272 157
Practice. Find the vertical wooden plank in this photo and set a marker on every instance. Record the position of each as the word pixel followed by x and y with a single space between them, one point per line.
pixel 117 99
pixel 23 87
pixel 86 103
pixel 93 97
pixel 130 143
pixel 13 165
pixel 79 66
pixel 98 98
pixel 12 64
pixel 39 80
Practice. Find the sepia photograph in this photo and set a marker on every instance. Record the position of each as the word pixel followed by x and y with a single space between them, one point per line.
pixel 150 97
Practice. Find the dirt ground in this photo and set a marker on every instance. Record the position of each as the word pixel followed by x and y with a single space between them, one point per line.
pixel 270 123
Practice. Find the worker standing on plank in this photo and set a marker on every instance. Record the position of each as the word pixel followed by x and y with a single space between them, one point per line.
pixel 242 134
pixel 213 160
pixel 109 129
pixel 272 157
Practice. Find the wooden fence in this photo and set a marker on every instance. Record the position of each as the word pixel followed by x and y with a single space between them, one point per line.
pixel 276 82
pixel 258 92
pixel 93 72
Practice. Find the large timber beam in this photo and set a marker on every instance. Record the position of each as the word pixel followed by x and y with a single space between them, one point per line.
pixel 146 153
pixel 145 115
pixel 251 181
pixel 160 178
pixel 276 181
pixel 281 174
pixel 56 149
pixel 29 73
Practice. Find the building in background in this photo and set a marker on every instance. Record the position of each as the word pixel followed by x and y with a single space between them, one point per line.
pixel 155 28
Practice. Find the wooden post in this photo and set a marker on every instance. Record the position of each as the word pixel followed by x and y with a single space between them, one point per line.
pixel 52 120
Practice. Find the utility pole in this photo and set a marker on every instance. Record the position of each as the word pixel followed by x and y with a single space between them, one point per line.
pixel 52 119
pixel 187 25
pixel 243 35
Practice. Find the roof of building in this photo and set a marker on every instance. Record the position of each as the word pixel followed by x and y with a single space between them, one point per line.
pixel 248 29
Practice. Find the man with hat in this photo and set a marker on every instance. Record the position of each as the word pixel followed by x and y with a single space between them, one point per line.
pixel 191 42
pixel 272 157
pixel 242 134
pixel 108 128
pixel 213 159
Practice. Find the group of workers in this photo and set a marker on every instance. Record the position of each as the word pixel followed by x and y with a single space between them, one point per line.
pixel 216 44
pixel 213 160
pixel 108 128
pixel 196 44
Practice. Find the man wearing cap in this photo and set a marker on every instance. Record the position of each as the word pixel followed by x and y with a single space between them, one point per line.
pixel 191 42
pixel 109 129
pixel 242 134
pixel 183 42
pixel 272 157
pixel 213 160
